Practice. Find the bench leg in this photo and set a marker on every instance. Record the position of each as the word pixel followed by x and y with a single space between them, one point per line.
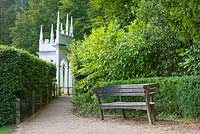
pixel 124 114
pixel 149 114
pixel 153 112
pixel 101 114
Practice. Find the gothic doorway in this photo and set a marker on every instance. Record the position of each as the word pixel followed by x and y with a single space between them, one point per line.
pixel 65 76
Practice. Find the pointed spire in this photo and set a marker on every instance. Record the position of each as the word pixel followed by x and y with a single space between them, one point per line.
pixel 71 28
pixel 67 26
pixel 61 28
pixel 41 34
pixel 52 35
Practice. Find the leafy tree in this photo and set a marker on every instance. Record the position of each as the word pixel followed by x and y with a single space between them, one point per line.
pixel 8 11
pixel 25 34
pixel 102 12
pixel 7 18
pixel 77 9
pixel 90 14
pixel 176 21
pixel 111 53
pixel 21 5
pixel 184 20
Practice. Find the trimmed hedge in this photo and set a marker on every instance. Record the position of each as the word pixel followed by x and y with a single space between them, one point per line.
pixel 175 97
pixel 21 73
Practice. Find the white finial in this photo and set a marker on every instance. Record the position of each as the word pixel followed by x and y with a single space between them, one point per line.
pixel 71 28
pixel 52 35
pixel 41 34
pixel 67 26
pixel 61 28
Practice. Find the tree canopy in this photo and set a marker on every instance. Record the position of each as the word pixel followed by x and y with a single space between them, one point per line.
pixel 176 23
pixel 25 34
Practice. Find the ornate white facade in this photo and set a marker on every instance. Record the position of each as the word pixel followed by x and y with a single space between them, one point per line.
pixel 55 50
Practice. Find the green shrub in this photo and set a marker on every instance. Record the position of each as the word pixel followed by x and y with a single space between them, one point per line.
pixel 175 97
pixel 113 53
pixel 21 73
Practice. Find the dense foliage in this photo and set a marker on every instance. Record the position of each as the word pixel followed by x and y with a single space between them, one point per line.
pixel 149 46
pixel 161 15
pixel 21 73
pixel 183 18
pixel 176 97
pixel 77 9
pixel 8 11
pixel 111 53
pixel 177 18
pixel 25 34
pixel 7 19
pixel 125 39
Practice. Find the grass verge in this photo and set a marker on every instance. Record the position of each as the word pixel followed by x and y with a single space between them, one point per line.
pixel 6 129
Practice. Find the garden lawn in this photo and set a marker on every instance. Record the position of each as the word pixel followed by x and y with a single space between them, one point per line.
pixel 6 129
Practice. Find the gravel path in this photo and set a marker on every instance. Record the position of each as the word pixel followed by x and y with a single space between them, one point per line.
pixel 57 118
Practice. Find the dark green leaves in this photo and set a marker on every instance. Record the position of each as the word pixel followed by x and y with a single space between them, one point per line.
pixel 20 73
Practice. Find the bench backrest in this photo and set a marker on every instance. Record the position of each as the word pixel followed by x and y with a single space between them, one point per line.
pixel 124 90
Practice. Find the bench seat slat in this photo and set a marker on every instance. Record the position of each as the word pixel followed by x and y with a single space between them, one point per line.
pixel 117 89
pixel 101 95
pixel 120 94
pixel 125 105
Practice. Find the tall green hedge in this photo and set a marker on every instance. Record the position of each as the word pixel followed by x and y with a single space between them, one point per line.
pixel 176 96
pixel 20 73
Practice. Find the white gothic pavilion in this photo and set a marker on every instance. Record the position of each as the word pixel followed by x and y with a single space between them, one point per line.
pixel 54 50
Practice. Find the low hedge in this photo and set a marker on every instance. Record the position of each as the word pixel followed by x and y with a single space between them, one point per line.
pixel 175 97
pixel 21 73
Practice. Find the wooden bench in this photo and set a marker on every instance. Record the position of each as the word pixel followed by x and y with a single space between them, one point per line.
pixel 121 91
